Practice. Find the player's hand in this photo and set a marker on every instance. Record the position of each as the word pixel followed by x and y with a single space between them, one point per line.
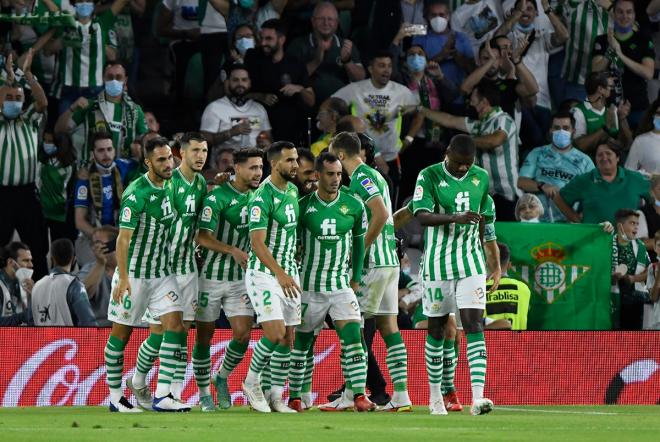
pixel 27 285
pixel 467 218
pixel 289 285
pixel 123 286
pixel 355 286
pixel 221 178
pixel 240 257
pixel 550 190
pixel 269 99
pixel 495 276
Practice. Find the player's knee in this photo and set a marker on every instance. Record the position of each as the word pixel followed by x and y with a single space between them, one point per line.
pixel 450 333
pixel 436 332
pixel 474 327
pixel 241 336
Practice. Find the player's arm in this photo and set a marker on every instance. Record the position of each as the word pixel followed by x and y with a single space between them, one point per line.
pixel 206 239
pixel 378 219
pixel 258 242
pixel 123 241
pixel 493 264
pixel 490 141
pixel 360 227
pixel 402 217
pixel 444 119
pixel 441 219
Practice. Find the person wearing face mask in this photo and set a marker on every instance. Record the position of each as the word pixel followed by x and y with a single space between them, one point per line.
pixel 595 119
pixel 243 40
pixel 19 143
pixel 234 120
pixel 16 284
pixel 604 190
pixel 56 173
pixel 112 110
pixel 97 194
pixel 331 61
pixel 549 168
pixel 644 155
pixel 629 57
pixel 84 50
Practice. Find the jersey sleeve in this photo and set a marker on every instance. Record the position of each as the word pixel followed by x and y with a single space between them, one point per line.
pixel 366 188
pixel 81 194
pixel 528 169
pixel 572 191
pixel 345 93
pixel 422 200
pixel 580 123
pixel 361 224
pixel 260 208
pixel 210 214
pixel 472 126
pixel 489 232
pixel 132 206
pixel 488 210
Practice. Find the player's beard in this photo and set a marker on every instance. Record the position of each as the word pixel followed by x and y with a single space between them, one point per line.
pixel 287 177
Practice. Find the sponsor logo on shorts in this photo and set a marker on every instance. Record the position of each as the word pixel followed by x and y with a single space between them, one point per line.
pixel 419 193
pixel 126 215
pixel 172 296
pixel 255 214
pixel 206 214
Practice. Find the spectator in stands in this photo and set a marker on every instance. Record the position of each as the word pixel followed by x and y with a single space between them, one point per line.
pixel 606 189
pixel 379 101
pixel 331 61
pixel 97 276
pixel 548 168
pixel 281 83
pixel 59 298
pixel 629 57
pixel 112 110
pixel 595 121
pixel 56 181
pixel 629 270
pixel 19 141
pixel 153 125
pixel 331 110
pixel 644 155
pixel 224 160
pixel 649 218
pixel 97 195
pixel 234 120
pixel 522 30
pixel 478 19
pixel 15 284
pixel 529 209
pixel 652 310
pixel 178 21
pixel 517 82
pixel 306 176
pixel 255 13
pixel 496 138
pixel 449 48
pixel 83 51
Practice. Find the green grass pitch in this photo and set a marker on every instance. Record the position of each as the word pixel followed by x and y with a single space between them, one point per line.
pixel 557 424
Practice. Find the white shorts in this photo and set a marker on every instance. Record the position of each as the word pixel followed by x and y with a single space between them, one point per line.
pixel 269 301
pixel 229 296
pixel 342 306
pixel 159 295
pixel 379 292
pixel 441 298
pixel 188 290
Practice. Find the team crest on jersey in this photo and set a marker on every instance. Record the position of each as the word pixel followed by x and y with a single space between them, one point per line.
pixel 419 193
pixel 82 193
pixel 369 186
pixel 206 214
pixel 126 215
pixel 255 214
pixel 475 181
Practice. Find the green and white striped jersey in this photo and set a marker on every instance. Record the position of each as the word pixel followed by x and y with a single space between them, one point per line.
pixel 366 184
pixel 225 213
pixel 586 21
pixel 327 231
pixel 276 212
pixel 18 151
pixel 187 199
pixel 488 212
pixel 147 210
pixel 53 184
pixel 451 251
pixel 501 163
pixel 81 61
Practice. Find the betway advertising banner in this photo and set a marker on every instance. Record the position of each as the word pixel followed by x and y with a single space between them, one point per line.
pixel 64 366
pixel 567 268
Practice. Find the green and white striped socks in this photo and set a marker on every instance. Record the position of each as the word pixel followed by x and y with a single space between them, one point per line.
pixel 170 356
pixel 146 357
pixel 280 364
pixel 233 356
pixel 433 353
pixel 114 367
pixel 180 373
pixel 397 365
pixel 299 363
pixel 476 356
pixel 260 357
pixel 449 367
pixel 201 359
pixel 309 370
pixel 353 363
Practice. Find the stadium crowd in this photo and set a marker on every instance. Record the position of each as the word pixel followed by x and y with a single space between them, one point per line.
pixel 560 97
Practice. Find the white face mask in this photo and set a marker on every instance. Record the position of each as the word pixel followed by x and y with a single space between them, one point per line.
pixel 439 24
pixel 23 273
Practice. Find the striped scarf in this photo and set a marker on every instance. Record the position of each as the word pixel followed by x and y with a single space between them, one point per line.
pixel 96 191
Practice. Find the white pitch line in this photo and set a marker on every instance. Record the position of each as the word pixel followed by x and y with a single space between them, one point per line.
pixel 605 413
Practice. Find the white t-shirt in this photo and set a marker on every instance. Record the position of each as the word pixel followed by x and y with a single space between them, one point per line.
pixel 644 155
pixel 222 114
pixel 185 13
pixel 213 21
pixel 536 60
pixel 381 110
pixel 478 21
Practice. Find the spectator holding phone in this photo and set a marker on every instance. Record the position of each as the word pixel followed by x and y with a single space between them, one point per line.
pixel 97 275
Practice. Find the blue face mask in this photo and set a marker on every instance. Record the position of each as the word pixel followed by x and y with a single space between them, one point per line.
pixel 84 9
pixel 525 28
pixel 622 29
pixel 247 4
pixel 656 122
pixel 12 109
pixel 50 149
pixel 114 88
pixel 416 63
pixel 561 138
pixel 243 44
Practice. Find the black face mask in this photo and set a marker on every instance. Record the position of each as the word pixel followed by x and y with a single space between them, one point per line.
pixel 239 100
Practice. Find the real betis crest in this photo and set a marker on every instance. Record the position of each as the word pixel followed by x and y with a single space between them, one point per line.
pixel 343 209
pixel 550 277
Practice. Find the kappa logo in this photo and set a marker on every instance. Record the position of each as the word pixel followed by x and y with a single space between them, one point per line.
pixel 212 198
pixel 311 209
pixel 132 197
pixel 258 198
pixel 233 202
pixel 361 174
pixel 152 198
pixel 420 178
pixel 277 200
pixel 181 190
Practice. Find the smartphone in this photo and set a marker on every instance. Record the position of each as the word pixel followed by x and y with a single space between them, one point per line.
pixel 110 246
pixel 417 29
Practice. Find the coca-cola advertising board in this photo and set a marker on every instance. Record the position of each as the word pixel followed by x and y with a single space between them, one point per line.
pixel 64 366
